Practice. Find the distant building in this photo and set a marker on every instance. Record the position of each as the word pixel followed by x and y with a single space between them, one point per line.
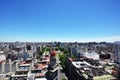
pixel 25 56
pixel 76 51
pixel 73 51
pixel 33 48
pixel 39 48
pixel 117 53
pixel 28 47
pixel 92 55
pixel 2 57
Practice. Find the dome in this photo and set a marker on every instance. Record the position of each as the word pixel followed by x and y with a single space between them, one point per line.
pixel 53 53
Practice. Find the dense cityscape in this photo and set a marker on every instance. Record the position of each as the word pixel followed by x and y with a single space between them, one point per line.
pixel 59 61
pixel 59 39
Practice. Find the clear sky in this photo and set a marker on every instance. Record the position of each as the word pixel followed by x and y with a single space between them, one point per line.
pixel 59 20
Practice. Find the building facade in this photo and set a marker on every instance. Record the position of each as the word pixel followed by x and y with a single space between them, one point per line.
pixel 117 53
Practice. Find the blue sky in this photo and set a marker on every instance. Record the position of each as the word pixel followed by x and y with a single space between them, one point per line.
pixel 60 20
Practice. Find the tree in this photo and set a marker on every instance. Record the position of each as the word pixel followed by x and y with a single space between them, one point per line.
pixel 56 49
pixel 61 49
pixel 65 51
pixel 39 54
pixel 47 48
pixel 62 59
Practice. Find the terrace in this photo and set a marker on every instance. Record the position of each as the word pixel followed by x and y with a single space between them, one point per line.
pixel 39 69
pixel 21 75
pixel 24 67
pixel 22 70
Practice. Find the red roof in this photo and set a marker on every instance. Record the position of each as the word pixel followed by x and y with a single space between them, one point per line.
pixel 53 53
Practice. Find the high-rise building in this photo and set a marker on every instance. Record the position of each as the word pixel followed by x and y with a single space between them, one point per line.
pixel 28 47
pixel 117 53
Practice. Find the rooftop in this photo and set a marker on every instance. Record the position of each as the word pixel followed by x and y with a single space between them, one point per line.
pixel 91 68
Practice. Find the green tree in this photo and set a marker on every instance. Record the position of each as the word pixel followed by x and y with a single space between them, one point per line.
pixel 39 54
pixel 56 49
pixel 44 49
pixel 74 57
pixel 62 59
pixel 65 51
pixel 61 49
pixel 47 48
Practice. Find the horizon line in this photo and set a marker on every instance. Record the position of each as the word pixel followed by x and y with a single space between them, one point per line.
pixel 98 39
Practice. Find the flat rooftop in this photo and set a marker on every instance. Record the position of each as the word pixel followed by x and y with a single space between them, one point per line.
pixel 89 68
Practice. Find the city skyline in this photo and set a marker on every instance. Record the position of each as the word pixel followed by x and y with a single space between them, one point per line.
pixel 60 20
